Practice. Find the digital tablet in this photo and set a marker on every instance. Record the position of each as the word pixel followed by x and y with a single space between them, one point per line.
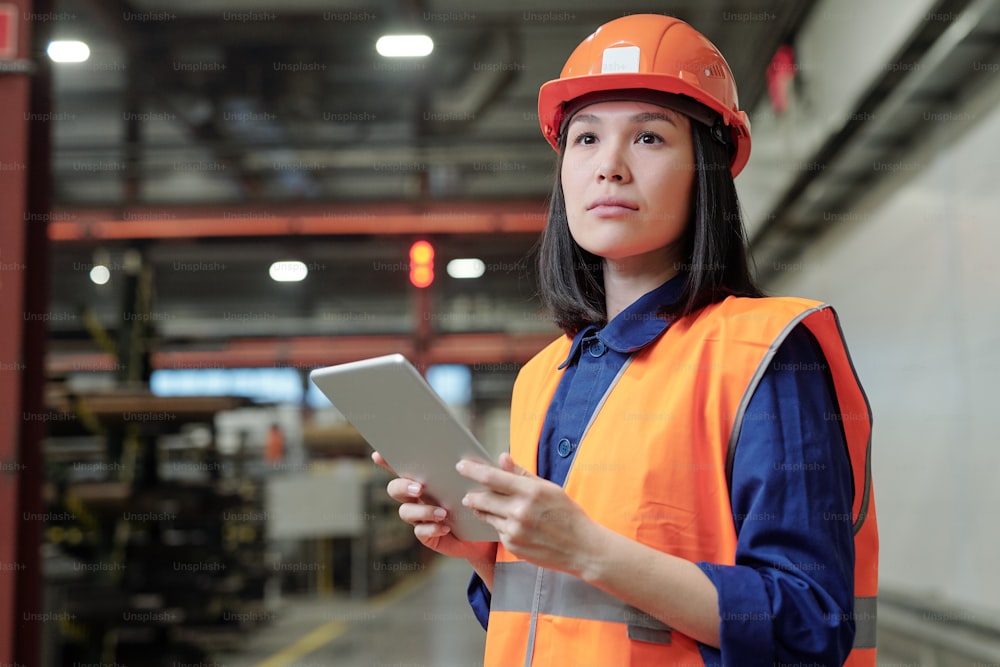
pixel 396 411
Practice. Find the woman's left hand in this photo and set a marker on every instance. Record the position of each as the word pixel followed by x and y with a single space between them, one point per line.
pixel 534 517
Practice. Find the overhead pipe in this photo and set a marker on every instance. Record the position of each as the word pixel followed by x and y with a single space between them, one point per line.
pixel 481 351
pixel 69 225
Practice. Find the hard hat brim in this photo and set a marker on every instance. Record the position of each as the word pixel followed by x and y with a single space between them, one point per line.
pixel 555 96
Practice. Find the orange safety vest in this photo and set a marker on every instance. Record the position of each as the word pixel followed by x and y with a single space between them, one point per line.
pixel 655 465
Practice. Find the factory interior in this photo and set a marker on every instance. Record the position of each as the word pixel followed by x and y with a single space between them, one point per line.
pixel 202 201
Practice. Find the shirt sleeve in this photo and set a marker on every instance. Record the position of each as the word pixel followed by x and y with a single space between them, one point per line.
pixel 789 597
pixel 480 598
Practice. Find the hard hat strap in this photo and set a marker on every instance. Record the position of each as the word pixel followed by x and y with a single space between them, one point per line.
pixel 722 134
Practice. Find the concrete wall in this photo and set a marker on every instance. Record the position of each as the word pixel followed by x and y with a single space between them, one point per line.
pixel 842 48
pixel 914 273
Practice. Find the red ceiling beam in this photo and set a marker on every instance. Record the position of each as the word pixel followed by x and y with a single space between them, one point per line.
pixel 482 351
pixel 69 225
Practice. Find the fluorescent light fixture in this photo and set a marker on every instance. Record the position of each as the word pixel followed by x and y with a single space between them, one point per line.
pixel 466 268
pixel 452 382
pixel 271 385
pixel 288 271
pixel 68 51
pixel 100 275
pixel 404 46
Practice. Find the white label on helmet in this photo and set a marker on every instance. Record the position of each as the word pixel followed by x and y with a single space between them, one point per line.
pixel 620 59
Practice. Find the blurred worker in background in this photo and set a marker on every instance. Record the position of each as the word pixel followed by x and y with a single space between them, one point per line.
pixel 688 478
pixel 274 448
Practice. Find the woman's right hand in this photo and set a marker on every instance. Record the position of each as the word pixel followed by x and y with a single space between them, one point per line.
pixel 428 521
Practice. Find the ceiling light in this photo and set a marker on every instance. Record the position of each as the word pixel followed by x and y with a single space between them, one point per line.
pixel 288 271
pixel 404 46
pixel 466 268
pixel 68 52
pixel 100 275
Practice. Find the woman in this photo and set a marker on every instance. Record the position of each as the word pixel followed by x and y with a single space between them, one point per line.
pixel 697 489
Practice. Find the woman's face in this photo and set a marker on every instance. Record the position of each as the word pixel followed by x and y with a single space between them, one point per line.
pixel 627 176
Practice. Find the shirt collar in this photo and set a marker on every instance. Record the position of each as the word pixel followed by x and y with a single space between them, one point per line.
pixel 574 349
pixel 635 327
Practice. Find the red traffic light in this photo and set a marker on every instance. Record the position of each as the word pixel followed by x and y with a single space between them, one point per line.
pixel 421 264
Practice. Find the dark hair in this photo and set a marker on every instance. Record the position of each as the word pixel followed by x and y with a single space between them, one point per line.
pixel 714 247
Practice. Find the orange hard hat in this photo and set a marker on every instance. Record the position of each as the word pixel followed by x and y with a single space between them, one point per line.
pixel 648 52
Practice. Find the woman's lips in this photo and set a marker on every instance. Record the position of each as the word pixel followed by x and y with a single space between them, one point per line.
pixel 611 206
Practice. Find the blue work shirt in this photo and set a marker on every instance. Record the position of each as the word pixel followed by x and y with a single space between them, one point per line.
pixel 789 597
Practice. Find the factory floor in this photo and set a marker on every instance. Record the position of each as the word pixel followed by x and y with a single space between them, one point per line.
pixel 424 621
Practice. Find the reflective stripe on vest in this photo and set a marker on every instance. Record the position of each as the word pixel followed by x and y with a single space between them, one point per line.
pixel 654 466
pixel 515 583
pixel 514 590
pixel 864 622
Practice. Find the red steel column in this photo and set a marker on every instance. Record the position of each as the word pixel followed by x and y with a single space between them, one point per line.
pixel 24 203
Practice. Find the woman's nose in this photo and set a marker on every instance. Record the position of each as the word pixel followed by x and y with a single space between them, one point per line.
pixel 612 167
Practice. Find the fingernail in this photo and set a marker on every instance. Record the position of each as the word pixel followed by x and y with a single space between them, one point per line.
pixel 465 500
pixel 440 513
pixel 414 489
pixel 459 466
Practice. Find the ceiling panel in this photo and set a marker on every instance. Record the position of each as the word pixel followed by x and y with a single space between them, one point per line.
pixel 236 82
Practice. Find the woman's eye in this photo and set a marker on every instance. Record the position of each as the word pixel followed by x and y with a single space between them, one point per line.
pixel 586 138
pixel 648 138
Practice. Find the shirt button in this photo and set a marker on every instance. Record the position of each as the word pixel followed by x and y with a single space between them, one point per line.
pixel 564 448
pixel 597 349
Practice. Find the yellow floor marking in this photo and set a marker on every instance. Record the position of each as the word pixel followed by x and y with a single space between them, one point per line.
pixel 306 645
pixel 327 632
